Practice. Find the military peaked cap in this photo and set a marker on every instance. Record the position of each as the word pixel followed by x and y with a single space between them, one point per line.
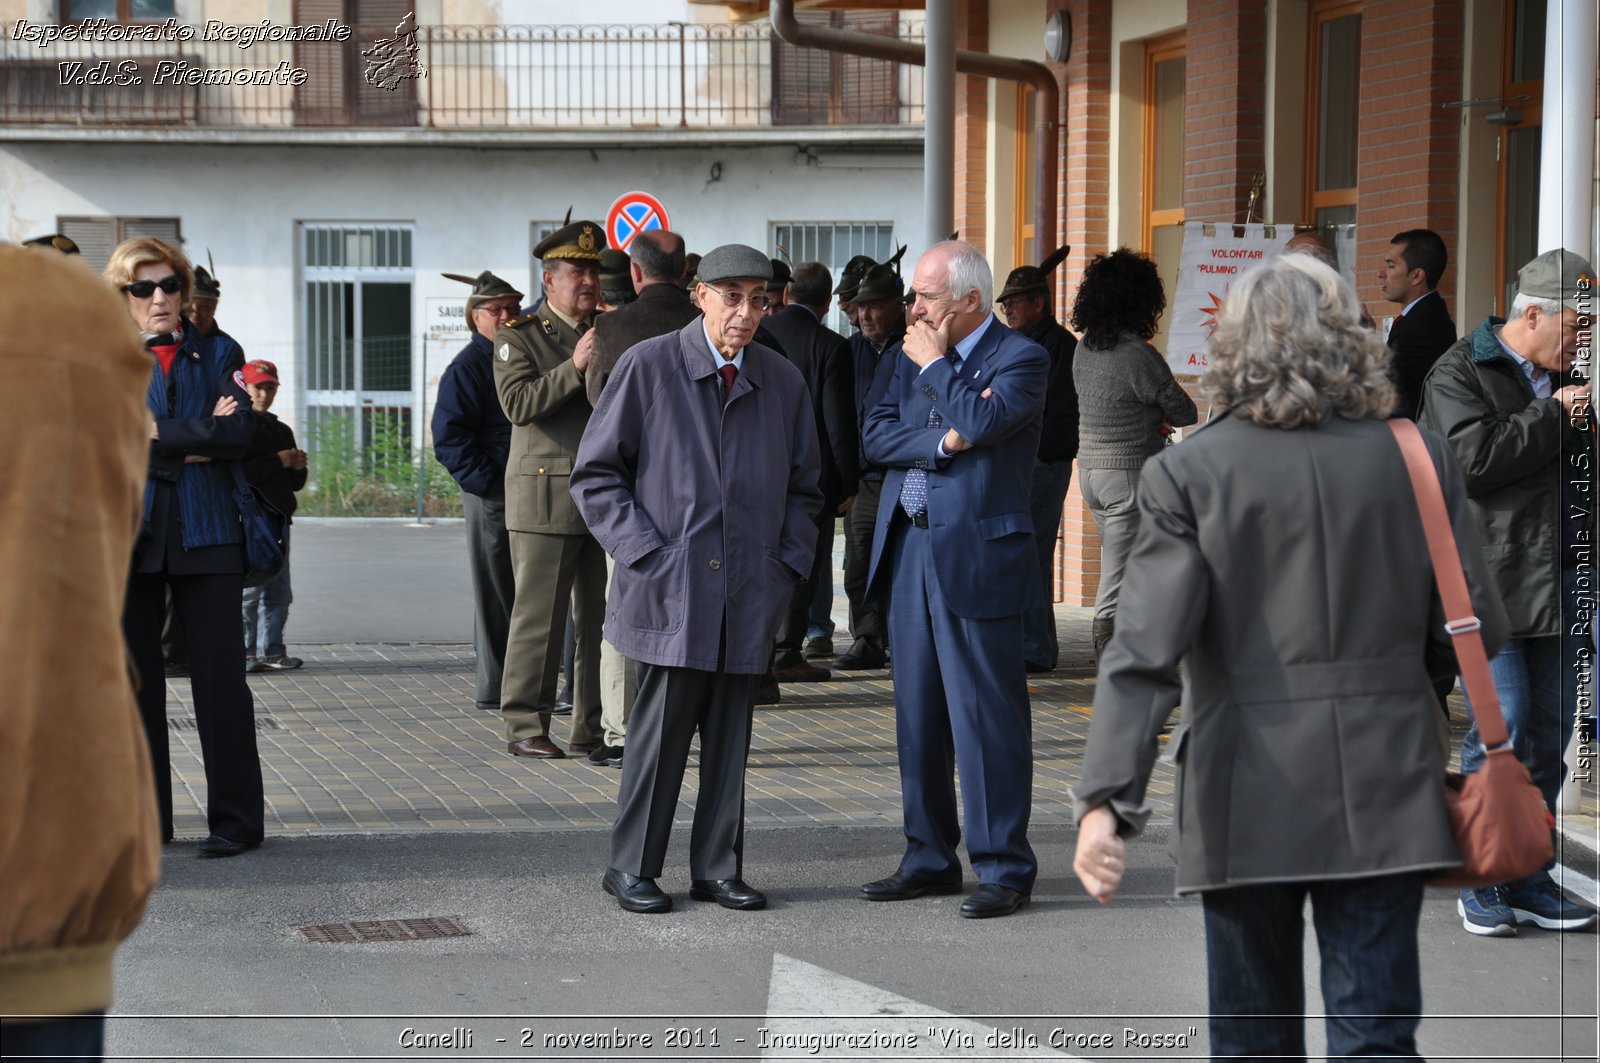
pixel 580 242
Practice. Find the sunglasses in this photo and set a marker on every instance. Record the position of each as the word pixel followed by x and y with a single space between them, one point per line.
pixel 172 284
pixel 731 299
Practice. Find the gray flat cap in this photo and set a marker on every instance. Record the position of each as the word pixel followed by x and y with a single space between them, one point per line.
pixel 734 262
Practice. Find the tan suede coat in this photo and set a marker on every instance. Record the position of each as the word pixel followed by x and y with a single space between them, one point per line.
pixel 79 841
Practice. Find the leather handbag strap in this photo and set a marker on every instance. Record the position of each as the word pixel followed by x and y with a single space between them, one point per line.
pixel 1460 622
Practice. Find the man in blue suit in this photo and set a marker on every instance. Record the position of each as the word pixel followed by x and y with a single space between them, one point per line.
pixel 958 431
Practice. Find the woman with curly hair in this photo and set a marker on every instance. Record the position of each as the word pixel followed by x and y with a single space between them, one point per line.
pixel 1281 557
pixel 1128 402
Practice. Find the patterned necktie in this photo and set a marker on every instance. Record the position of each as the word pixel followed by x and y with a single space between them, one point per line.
pixel 729 372
pixel 914 488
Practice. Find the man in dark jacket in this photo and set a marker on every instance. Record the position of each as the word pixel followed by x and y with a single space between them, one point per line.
pixel 698 475
pixel 656 264
pixel 823 358
pixel 1026 302
pixel 472 439
pixel 881 316
pixel 1423 330
pixel 1523 432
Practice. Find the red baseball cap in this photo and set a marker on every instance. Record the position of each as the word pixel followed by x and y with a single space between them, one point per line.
pixel 260 369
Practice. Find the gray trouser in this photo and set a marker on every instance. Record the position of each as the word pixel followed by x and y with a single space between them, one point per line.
pixel 494 591
pixel 673 704
pixel 619 683
pixel 1109 494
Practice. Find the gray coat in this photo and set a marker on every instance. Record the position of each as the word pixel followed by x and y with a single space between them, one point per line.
pixel 708 510
pixel 1288 571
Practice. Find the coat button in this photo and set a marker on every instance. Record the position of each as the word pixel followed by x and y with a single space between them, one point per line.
pixel 541 469
pixel 715 564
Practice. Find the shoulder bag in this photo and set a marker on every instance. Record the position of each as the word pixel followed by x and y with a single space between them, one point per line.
pixel 1497 815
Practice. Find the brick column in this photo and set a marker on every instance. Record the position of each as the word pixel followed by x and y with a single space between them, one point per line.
pixel 1409 147
pixel 1224 107
pixel 972 128
pixel 1085 183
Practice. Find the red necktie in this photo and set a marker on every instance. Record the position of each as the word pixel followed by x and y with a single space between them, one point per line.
pixel 728 373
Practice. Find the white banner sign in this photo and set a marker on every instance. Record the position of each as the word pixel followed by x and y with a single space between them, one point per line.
pixel 1213 258
pixel 447 318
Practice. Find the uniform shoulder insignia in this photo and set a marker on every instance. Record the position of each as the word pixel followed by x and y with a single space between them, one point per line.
pixel 549 329
pixel 518 322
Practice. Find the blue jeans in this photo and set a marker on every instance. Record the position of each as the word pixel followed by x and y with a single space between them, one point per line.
pixel 1371 977
pixel 1050 483
pixel 266 610
pixel 1537 681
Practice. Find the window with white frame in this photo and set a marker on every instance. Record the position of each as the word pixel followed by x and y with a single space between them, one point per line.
pixel 359 351
pixel 833 244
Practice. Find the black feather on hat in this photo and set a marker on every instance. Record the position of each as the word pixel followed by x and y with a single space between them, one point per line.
pixel 1033 280
pixel 485 286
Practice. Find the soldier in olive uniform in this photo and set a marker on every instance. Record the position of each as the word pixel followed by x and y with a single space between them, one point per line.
pixel 539 362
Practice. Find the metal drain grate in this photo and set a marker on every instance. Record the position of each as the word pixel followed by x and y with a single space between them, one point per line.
pixel 385 930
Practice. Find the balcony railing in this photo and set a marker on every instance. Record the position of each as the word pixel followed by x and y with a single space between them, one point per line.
pixel 472 78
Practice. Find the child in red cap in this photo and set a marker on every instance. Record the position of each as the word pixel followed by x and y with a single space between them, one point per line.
pixel 276 468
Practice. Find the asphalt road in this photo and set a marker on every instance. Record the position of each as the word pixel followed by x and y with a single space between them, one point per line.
pixel 550 954
pixel 379 581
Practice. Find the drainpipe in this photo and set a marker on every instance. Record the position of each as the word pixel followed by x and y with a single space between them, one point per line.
pixel 1046 130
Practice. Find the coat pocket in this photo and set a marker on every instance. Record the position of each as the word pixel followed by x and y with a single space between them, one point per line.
pixel 652 593
pixel 1004 524
pixel 543 481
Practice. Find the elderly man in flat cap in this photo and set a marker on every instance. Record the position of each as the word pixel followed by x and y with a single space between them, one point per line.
pixel 698 475
pixel 472 439
pixel 539 364
pixel 1025 300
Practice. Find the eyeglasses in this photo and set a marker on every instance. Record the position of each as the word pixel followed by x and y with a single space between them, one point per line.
pixel 497 310
pixel 172 284
pixel 733 299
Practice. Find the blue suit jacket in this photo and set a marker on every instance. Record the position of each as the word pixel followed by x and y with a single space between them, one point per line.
pixel 978 499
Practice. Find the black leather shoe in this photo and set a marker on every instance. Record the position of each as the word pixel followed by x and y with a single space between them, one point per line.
pixel 635 894
pixel 217 845
pixel 862 656
pixel 767 692
pixel 903 886
pixel 732 893
pixel 992 900
pixel 606 756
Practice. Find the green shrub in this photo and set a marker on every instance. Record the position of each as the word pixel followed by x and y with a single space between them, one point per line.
pixel 373 477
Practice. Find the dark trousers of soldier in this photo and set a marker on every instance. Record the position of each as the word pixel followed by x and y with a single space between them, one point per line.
pixel 552 571
pixel 208 607
pixel 866 614
pixel 174 650
pixel 671 705
pixel 494 591
pixel 792 633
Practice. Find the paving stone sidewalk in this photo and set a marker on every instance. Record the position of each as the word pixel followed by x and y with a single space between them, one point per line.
pixel 385 739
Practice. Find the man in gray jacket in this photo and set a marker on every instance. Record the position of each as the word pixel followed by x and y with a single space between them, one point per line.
pixel 1521 428
pixel 698 475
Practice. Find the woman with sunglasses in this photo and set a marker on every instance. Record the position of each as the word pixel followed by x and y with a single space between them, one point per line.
pixel 191 543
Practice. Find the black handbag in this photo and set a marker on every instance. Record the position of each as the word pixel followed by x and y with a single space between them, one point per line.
pixel 263 532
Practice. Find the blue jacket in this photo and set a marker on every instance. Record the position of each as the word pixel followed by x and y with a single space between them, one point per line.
pixel 874 370
pixel 978 499
pixel 201 373
pixel 471 435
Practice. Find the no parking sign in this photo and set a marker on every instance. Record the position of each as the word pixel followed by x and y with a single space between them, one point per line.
pixel 632 214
